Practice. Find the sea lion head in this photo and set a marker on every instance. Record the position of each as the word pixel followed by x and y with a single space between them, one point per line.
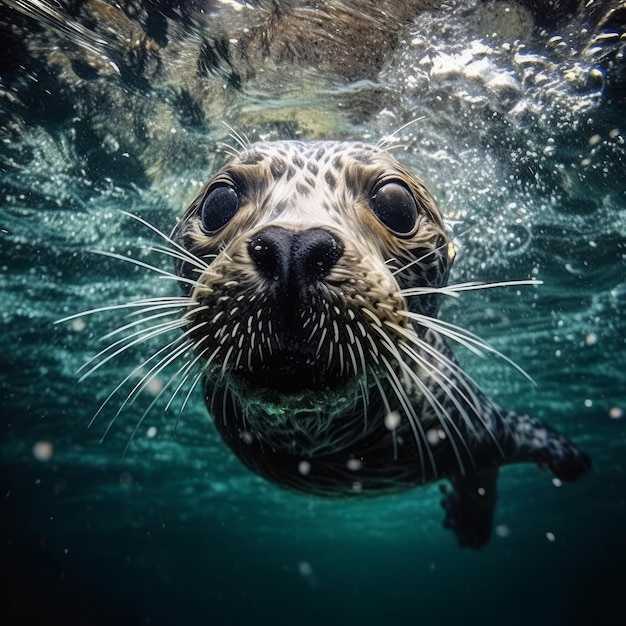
pixel 295 257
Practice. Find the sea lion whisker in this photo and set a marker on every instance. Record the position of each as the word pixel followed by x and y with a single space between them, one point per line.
pixel 440 411
pixel 137 337
pixel 364 393
pixel 225 394
pixel 184 301
pixel 388 344
pixel 453 290
pixel 419 260
pixel 161 327
pixel 359 347
pixel 136 341
pixel 195 260
pixel 152 268
pixel 249 359
pixel 133 373
pixel 391 426
pixel 373 317
pixel 187 367
pixel 234 402
pixel 463 383
pixel 138 322
pixel 450 388
pixel 228 149
pixel 397 146
pixel 175 254
pixel 329 360
pixel 387 142
pixel 147 411
pixel 452 385
pixel 355 367
pixel 238 358
pixel 188 315
pixel 240 137
pixel 457 334
pixel 206 371
pixel 320 343
pixel 156 369
pixel 422 345
pixel 341 359
pixel 443 416
pixel 401 393
pixel 436 354
pixel 160 307
pixel 465 338
pixel 226 358
pixel 413 419
pixel 195 381
pixel 314 330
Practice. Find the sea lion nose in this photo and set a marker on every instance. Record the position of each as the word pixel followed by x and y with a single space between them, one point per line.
pixel 294 259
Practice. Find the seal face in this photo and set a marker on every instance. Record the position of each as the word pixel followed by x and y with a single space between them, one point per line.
pixel 299 308
pixel 315 271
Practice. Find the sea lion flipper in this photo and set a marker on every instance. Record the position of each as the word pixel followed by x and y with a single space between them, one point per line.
pixel 541 444
pixel 470 506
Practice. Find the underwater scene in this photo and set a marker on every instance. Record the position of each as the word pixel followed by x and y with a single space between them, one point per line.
pixel 121 502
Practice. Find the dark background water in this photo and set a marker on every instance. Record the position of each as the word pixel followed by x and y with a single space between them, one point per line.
pixel 524 150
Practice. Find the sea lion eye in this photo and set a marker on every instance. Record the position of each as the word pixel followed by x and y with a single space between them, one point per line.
pixel 218 208
pixel 395 207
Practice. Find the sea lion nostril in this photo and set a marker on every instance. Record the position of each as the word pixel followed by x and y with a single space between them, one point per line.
pixel 315 253
pixel 285 256
pixel 270 250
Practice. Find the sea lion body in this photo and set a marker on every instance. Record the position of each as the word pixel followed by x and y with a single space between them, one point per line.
pixel 314 272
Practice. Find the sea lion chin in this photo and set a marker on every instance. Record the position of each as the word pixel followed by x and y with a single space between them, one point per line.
pixel 314 272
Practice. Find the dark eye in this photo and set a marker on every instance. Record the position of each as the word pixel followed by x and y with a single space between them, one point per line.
pixel 218 208
pixel 395 207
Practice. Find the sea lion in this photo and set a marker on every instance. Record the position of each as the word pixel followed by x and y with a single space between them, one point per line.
pixel 314 272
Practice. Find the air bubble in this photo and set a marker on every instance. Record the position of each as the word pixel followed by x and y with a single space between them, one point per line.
pixel 154 386
pixel 594 140
pixel 78 325
pixel 305 569
pixel 354 464
pixel 432 436
pixel 392 420
pixel 43 450
pixel 502 531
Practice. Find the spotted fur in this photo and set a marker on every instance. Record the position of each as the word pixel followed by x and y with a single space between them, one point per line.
pixel 340 382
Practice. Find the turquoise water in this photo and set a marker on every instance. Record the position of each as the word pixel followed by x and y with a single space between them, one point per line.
pixel 164 525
